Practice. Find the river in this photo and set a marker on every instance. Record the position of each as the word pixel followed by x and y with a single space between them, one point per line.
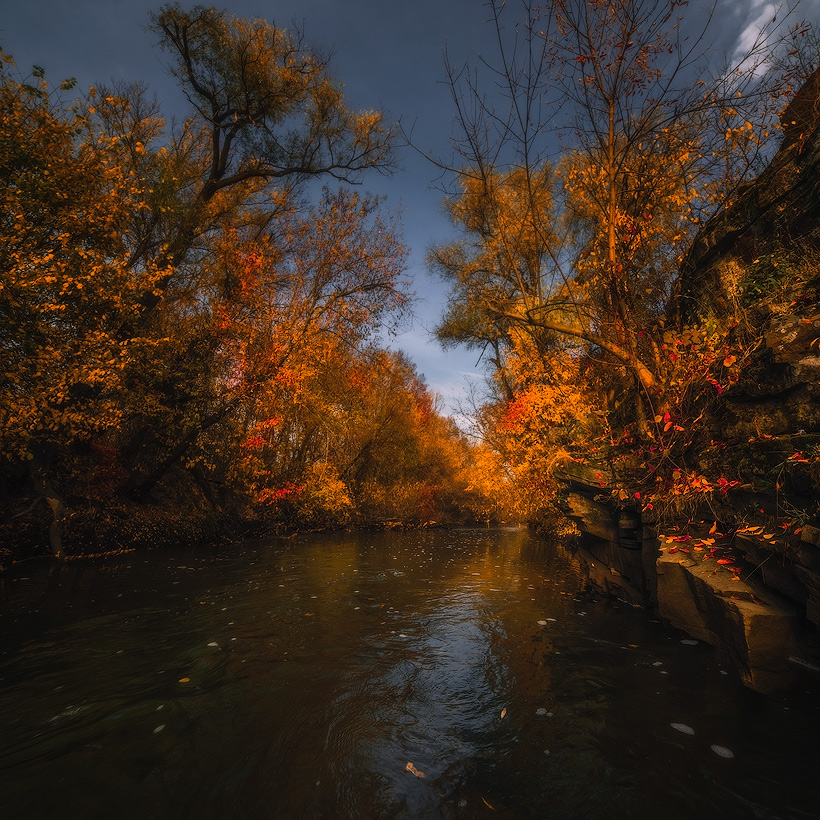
pixel 427 674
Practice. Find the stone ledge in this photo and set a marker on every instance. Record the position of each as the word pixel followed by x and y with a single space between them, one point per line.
pixel 755 628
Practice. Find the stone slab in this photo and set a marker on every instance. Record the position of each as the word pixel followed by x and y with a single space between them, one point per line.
pixel 755 628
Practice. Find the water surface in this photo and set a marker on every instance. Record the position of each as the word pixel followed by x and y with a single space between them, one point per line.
pixel 299 678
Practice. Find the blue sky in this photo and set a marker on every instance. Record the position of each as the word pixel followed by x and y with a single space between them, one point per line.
pixel 389 56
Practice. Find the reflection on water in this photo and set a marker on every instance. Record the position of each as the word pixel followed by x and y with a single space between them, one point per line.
pixel 299 679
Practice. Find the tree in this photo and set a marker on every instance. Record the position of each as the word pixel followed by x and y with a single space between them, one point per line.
pixel 267 118
pixel 266 110
pixel 276 304
pixel 156 283
pixel 582 253
pixel 66 286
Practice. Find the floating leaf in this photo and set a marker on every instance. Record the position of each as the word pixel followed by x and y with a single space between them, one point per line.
pixel 722 751
pixel 413 770
pixel 689 642
pixel 159 728
pixel 683 728
pixel 503 712
pixel 184 680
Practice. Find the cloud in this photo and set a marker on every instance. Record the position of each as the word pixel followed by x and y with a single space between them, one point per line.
pixel 749 36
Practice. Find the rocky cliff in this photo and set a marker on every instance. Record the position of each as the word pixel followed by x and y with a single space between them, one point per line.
pixel 742 571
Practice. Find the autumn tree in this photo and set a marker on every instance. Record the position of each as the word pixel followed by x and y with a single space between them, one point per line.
pixel 267 118
pixel 358 438
pixel 158 283
pixel 67 287
pixel 579 180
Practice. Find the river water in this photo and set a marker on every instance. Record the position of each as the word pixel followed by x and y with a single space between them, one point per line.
pixel 433 674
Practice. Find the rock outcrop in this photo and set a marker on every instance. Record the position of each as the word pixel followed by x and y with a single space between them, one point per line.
pixel 755 592
pixel 757 630
pixel 747 247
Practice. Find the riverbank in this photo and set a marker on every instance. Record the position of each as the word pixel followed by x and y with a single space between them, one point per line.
pixel 751 590
pixel 120 526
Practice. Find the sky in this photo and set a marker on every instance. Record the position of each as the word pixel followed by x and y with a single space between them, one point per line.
pixel 389 56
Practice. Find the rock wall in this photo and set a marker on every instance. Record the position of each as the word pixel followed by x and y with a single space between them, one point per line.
pixel 760 614
pixel 754 593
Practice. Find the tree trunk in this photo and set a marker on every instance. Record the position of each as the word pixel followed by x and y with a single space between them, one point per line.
pixel 54 502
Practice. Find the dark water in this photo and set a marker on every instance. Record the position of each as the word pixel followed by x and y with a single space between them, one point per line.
pixel 298 679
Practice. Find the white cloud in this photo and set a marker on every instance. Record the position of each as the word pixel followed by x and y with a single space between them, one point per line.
pixel 763 14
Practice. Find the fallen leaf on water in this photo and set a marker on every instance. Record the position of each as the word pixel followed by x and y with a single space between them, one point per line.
pixel 683 728
pixel 724 560
pixel 488 805
pixel 689 642
pixel 713 529
pixel 159 728
pixel 413 770
pixel 503 712
pixel 722 751
pixel 184 680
